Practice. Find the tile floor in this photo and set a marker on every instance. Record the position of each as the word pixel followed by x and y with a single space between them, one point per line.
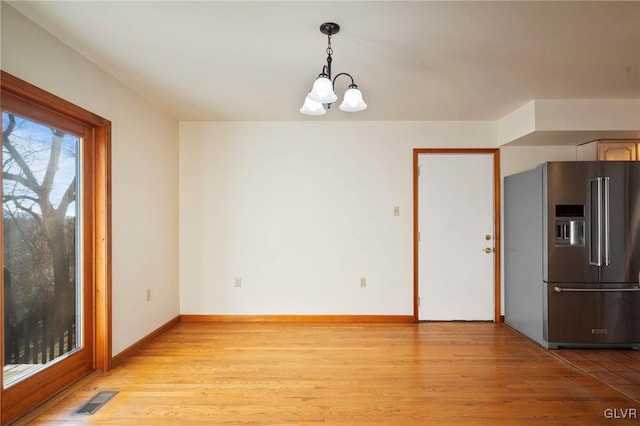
pixel 618 368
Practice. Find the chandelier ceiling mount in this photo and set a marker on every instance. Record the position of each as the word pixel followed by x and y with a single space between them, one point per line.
pixel 329 28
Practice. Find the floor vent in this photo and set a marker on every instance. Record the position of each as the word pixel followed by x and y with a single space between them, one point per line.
pixel 95 403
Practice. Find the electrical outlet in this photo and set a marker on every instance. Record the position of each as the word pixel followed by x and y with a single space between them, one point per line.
pixel 238 282
pixel 148 294
pixel 363 282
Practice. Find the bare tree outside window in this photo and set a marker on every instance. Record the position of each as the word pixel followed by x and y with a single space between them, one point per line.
pixel 39 191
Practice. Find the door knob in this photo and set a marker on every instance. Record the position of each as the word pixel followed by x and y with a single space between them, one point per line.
pixel 488 250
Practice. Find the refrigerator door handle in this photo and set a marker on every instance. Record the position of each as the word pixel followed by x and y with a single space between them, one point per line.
pixel 592 290
pixel 605 219
pixel 595 242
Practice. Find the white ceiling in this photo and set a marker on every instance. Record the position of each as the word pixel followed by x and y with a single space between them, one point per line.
pixel 416 60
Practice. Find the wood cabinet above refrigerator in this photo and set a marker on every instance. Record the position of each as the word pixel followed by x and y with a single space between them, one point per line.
pixel 609 150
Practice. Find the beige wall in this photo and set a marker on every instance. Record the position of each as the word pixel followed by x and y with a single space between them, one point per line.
pixel 144 175
pixel 300 211
pixel 516 159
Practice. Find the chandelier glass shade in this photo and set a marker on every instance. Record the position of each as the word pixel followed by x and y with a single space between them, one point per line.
pixel 323 91
pixel 312 107
pixel 353 101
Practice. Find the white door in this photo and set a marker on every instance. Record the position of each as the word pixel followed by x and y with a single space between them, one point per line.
pixel 456 244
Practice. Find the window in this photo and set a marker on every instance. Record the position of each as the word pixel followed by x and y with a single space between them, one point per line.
pixel 56 245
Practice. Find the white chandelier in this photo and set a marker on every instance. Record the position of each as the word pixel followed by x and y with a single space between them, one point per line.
pixel 323 92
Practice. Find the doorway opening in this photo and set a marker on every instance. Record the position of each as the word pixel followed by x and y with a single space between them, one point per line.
pixel 456 257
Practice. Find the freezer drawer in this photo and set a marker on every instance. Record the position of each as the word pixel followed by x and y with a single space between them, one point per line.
pixel 592 315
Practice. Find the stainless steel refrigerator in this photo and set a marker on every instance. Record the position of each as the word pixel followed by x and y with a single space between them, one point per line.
pixel 572 253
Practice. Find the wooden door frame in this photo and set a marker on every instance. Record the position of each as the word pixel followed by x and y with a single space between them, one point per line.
pixel 99 246
pixel 496 221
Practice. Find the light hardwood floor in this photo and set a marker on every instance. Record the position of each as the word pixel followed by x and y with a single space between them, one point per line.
pixel 342 374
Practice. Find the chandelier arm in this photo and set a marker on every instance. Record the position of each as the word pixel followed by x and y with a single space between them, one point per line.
pixel 353 84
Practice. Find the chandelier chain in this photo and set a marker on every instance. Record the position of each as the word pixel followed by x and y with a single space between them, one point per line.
pixel 329 49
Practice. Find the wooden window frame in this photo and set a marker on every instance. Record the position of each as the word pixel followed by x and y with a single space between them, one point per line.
pixel 32 98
